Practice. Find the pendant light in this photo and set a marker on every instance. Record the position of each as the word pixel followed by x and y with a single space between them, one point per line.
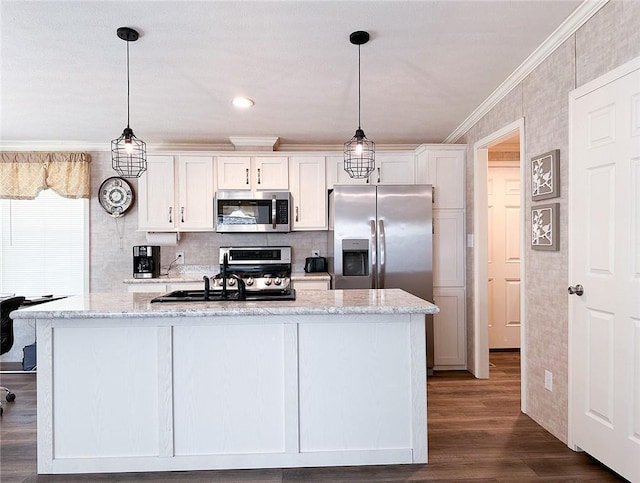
pixel 359 152
pixel 128 153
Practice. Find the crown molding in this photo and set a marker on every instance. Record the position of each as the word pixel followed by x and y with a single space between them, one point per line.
pixel 579 17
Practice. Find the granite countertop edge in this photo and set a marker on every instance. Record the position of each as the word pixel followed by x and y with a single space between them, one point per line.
pixel 308 302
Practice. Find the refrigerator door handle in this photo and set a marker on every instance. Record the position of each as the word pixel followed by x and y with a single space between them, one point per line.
pixel 382 252
pixel 374 253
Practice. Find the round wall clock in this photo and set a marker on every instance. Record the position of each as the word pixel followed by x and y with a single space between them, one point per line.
pixel 116 196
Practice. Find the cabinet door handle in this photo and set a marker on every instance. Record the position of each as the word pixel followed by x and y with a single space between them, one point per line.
pixel 182 214
pixel 378 175
pixel 258 175
pixel 247 176
pixel 171 214
pixel 296 213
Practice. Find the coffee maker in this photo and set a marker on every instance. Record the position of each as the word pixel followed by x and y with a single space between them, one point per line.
pixel 146 261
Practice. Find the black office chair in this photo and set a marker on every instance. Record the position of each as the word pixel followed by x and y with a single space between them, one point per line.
pixel 6 335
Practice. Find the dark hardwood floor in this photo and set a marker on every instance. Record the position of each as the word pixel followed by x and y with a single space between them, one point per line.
pixel 476 433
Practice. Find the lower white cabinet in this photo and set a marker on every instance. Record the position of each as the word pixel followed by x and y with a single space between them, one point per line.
pixel 150 287
pixel 311 284
pixel 450 341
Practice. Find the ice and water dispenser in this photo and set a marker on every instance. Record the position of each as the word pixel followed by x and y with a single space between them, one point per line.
pixel 355 257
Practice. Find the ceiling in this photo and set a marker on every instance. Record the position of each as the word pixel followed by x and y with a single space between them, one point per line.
pixel 427 67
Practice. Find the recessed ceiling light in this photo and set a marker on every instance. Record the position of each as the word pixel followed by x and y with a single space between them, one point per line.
pixel 242 102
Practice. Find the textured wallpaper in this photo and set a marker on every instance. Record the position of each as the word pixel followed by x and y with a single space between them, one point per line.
pixel 610 38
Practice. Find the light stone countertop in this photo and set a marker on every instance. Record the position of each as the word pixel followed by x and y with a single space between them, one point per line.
pixel 308 302
pixel 197 277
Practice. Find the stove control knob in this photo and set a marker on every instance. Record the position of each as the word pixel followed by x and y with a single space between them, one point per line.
pixel 267 281
pixel 278 281
pixel 249 282
pixel 231 281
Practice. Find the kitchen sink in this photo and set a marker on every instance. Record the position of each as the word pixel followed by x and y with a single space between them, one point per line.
pixel 232 296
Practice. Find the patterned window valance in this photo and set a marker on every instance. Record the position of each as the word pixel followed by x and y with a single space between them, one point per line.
pixel 24 175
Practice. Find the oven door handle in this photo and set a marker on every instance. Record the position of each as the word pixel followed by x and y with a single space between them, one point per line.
pixel 273 211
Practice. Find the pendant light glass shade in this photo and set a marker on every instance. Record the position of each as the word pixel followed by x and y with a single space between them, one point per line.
pixel 359 152
pixel 128 153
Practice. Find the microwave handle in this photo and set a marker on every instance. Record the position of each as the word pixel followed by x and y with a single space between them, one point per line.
pixel 273 211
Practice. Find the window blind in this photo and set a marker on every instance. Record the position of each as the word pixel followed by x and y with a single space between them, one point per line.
pixel 44 245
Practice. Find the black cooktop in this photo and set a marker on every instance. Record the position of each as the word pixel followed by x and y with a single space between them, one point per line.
pixel 216 296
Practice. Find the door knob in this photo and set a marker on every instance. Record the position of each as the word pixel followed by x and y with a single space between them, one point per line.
pixel 577 290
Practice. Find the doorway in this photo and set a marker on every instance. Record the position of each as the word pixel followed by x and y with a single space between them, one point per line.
pixel 481 302
pixel 503 191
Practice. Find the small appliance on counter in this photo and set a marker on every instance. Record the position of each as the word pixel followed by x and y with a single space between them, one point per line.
pixel 146 261
pixel 315 264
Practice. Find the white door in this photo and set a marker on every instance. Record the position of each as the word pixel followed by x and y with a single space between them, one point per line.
pixel 604 258
pixel 503 192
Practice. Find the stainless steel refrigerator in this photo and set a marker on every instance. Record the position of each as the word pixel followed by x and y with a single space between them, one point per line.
pixel 381 237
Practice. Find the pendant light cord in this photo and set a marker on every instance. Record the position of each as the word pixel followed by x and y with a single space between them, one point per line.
pixel 128 127
pixel 359 126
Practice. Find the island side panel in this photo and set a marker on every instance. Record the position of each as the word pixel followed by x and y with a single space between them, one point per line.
pixel 355 388
pixel 419 388
pixel 105 392
pixel 229 382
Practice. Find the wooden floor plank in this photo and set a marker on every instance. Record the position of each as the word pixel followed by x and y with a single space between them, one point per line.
pixel 476 434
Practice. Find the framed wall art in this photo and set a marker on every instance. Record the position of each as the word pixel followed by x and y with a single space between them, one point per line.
pixel 545 176
pixel 545 227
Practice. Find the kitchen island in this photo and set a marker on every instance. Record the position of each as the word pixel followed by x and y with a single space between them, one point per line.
pixel 332 378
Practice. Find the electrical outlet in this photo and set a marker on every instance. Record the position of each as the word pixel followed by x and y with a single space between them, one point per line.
pixel 315 253
pixel 548 380
pixel 180 258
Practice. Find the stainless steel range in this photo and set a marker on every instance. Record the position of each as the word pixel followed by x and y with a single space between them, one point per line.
pixel 246 273
pixel 260 268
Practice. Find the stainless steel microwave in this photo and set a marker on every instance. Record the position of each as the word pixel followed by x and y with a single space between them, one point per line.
pixel 252 212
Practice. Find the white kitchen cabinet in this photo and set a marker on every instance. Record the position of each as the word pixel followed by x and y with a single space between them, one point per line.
pixel 155 287
pixel 308 192
pixel 444 168
pixel 142 287
pixel 450 342
pixel 391 168
pixel 176 194
pixel 448 248
pixel 156 195
pixel 195 193
pixel 311 284
pixel 252 172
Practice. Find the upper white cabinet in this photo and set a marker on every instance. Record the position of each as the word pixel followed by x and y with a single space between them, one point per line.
pixel 252 173
pixel 156 195
pixel 391 168
pixel 444 168
pixel 176 194
pixel 308 192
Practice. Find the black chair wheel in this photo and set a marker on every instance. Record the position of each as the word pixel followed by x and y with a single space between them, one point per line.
pixel 10 397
